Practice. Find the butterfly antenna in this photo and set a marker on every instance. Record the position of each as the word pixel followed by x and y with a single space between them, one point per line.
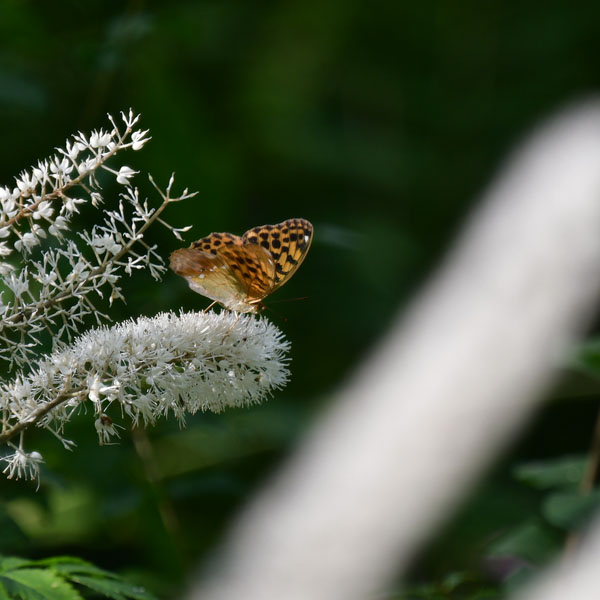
pixel 284 319
pixel 290 299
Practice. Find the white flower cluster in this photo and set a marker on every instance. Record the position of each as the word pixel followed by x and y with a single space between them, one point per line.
pixel 45 198
pixel 49 291
pixel 143 370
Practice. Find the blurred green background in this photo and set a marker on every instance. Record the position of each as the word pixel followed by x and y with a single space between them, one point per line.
pixel 378 121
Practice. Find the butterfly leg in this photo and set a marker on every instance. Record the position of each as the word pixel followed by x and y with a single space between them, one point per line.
pixel 237 318
pixel 209 306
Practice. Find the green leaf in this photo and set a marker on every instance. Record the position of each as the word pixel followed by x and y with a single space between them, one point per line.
pixel 8 563
pixel 70 565
pixel 12 534
pixel 515 582
pixel 113 588
pixel 3 593
pixel 104 582
pixel 45 580
pixel 533 541
pixel 542 475
pixel 38 584
pixel 455 579
pixel 587 357
pixel 570 510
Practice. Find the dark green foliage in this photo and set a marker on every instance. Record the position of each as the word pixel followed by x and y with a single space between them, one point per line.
pixel 63 578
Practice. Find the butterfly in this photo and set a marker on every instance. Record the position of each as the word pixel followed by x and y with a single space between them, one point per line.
pixel 239 272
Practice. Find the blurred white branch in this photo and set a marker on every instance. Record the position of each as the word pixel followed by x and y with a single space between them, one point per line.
pixel 456 379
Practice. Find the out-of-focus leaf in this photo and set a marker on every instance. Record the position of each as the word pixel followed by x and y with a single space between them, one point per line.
pixel 8 563
pixel 570 510
pixel 51 579
pixel 587 357
pixel 38 584
pixel 101 581
pixel 3 593
pixel 533 541
pixel 71 564
pixel 12 535
pixel 517 580
pixel 113 588
pixel 565 472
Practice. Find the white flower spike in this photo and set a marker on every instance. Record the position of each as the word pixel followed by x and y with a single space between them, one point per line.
pixel 147 369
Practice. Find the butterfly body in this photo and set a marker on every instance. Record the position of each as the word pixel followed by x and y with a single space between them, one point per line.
pixel 239 272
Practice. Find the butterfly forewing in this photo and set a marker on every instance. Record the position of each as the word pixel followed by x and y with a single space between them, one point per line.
pixel 288 244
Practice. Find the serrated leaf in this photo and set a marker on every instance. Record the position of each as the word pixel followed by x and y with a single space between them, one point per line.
pixel 114 589
pixel 48 579
pixel 69 565
pixel 3 593
pixel 58 560
pixel 8 563
pixel 40 584
pixel 542 475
